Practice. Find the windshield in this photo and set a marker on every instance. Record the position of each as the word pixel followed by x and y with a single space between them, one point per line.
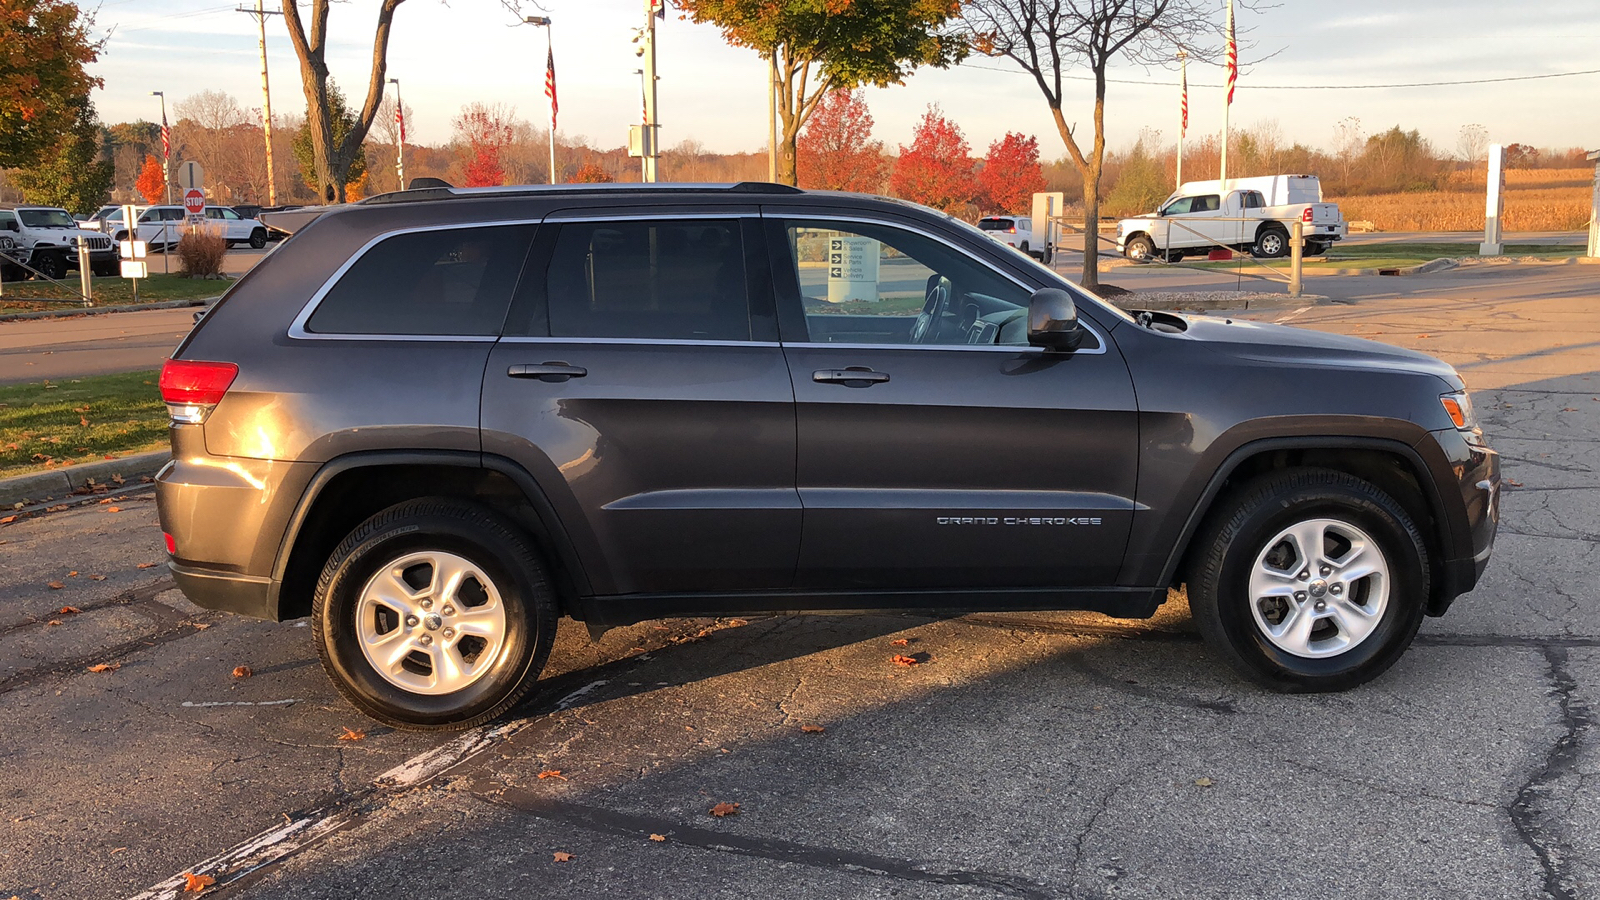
pixel 995 224
pixel 46 218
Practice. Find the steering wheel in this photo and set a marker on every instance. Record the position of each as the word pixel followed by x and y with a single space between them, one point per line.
pixel 933 308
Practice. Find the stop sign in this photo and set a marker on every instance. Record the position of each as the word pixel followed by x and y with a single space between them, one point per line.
pixel 194 201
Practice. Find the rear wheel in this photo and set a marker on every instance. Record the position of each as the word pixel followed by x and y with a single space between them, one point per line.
pixel 1316 248
pixel 104 269
pixel 1310 580
pixel 258 238
pixel 1271 243
pixel 434 614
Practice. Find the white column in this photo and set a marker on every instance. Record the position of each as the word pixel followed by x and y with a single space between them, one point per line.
pixel 1493 204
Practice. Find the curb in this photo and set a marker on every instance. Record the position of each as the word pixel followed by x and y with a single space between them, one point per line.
pixel 74 479
pixel 103 310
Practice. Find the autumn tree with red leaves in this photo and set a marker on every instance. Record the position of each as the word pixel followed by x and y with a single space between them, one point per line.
pixel 152 183
pixel 836 151
pixel 937 169
pixel 1011 174
pixel 486 130
pixel 592 173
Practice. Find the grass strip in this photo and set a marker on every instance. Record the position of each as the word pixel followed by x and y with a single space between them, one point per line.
pixel 27 296
pixel 49 424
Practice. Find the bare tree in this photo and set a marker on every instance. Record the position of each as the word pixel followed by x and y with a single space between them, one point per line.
pixel 1048 37
pixel 1473 144
pixel 331 160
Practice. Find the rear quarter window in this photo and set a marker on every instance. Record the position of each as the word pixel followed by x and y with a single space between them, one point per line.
pixel 454 281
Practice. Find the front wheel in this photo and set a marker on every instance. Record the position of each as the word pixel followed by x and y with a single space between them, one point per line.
pixel 51 265
pixel 1309 580
pixel 434 614
pixel 1140 249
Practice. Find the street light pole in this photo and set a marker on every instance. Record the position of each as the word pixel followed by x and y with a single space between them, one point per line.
pixel 400 142
pixel 550 89
pixel 652 127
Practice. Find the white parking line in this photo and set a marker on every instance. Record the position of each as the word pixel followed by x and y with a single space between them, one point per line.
pixel 282 840
pixel 193 705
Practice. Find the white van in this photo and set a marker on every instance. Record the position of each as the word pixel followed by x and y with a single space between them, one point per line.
pixel 1015 232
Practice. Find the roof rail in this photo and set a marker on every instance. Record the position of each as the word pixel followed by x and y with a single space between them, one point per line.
pixel 436 189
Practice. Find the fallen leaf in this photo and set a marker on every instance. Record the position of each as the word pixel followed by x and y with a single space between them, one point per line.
pixel 901 642
pixel 70 610
pixel 1569 409
pixel 725 809
pixel 900 659
pixel 243 672
pixel 113 509
pixel 1422 335
pixel 563 857
pixel 118 849
pixel 8 520
pixel 97 578
pixel 83 422
pixel 55 585
pixel 551 773
pixel 812 729
pixel 1203 782
pixel 658 837
pixel 1513 482
pixel 201 625
pixel 52 623
pixel 193 883
pixel 105 501
pixel 147 565
pixel 355 735
pixel 105 667
pixel 73 574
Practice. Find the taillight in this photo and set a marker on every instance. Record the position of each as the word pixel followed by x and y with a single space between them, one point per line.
pixel 1011 231
pixel 172 545
pixel 1306 215
pixel 191 389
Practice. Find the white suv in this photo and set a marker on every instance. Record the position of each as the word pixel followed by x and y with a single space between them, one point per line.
pixel 1015 232
pixel 164 225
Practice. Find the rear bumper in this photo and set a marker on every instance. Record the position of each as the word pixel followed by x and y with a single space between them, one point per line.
pixel 243 594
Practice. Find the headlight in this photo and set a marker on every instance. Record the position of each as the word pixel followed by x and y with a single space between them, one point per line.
pixel 1458 406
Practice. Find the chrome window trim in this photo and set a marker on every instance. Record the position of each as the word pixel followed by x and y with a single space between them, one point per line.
pixel 865 220
pixel 297 328
pixel 656 342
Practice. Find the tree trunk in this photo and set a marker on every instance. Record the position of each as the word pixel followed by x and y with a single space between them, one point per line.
pixel 1091 232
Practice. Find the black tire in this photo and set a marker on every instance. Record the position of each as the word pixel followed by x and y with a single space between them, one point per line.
pixel 1227 550
pixel 50 265
pixel 1140 249
pixel 258 238
pixel 1172 256
pixel 1271 243
pixel 105 269
pixel 1316 248
pixel 1025 250
pixel 465 530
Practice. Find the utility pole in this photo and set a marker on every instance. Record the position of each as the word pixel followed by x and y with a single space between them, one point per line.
pixel 772 115
pixel 652 125
pixel 266 94
pixel 400 134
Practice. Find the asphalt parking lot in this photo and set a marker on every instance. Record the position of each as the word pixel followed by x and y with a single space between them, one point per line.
pixel 1065 755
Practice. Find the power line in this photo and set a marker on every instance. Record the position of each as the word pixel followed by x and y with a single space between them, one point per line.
pixel 1306 87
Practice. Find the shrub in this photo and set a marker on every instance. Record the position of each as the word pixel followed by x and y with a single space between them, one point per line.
pixel 201 250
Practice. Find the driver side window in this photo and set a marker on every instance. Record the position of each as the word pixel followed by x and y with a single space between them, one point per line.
pixel 875 284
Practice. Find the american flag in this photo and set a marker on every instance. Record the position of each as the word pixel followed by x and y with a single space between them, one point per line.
pixel 166 137
pixel 1233 55
pixel 550 85
pixel 1184 129
pixel 400 120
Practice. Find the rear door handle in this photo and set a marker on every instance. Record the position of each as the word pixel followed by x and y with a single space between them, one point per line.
pixel 851 376
pixel 550 371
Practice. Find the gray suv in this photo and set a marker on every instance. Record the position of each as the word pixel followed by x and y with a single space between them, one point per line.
pixel 437 420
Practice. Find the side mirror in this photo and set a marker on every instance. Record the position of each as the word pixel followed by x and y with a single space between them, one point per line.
pixel 1053 321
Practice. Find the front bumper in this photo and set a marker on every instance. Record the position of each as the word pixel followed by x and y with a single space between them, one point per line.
pixel 1472 511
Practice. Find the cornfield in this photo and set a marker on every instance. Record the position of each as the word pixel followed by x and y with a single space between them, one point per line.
pixel 1535 200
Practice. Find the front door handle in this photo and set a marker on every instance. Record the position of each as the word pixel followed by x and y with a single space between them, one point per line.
pixel 550 371
pixel 851 376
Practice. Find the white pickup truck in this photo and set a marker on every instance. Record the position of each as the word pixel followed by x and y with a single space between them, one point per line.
pixel 1253 215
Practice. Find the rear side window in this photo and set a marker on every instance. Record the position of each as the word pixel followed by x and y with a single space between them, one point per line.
pixel 662 280
pixel 455 281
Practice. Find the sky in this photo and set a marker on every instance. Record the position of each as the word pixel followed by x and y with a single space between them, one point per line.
pixel 1304 56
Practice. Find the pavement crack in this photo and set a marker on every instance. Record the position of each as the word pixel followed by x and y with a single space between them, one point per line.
pixel 1531 813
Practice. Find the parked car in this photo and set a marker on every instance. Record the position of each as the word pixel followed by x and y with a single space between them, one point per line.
pixel 96 222
pixel 1253 215
pixel 1015 232
pixel 436 420
pixel 45 238
pixel 163 225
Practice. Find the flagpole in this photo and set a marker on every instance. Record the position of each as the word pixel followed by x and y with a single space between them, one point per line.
pixel 1183 126
pixel 1233 76
pixel 400 144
